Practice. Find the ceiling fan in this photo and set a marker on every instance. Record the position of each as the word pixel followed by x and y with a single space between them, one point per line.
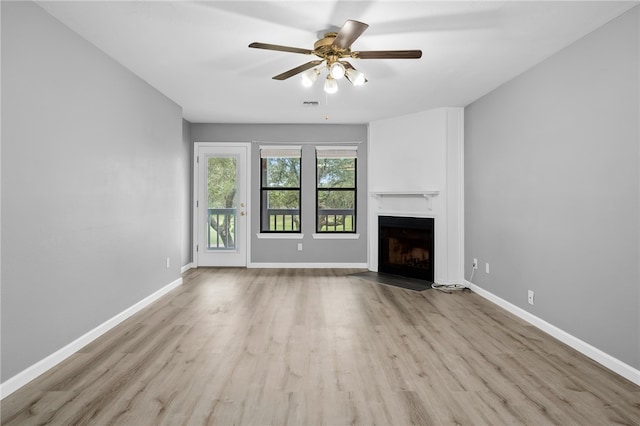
pixel 332 49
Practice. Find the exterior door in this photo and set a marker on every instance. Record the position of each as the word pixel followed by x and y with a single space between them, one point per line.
pixel 221 196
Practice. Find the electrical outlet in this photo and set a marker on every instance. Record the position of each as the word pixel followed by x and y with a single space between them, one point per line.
pixel 168 263
pixel 530 297
pixel 486 268
pixel 475 263
pixel 299 246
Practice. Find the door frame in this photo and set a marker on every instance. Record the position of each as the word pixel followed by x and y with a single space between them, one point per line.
pixel 196 189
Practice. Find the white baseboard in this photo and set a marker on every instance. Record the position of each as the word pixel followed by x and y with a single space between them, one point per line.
pixel 602 358
pixel 16 382
pixel 186 267
pixel 308 265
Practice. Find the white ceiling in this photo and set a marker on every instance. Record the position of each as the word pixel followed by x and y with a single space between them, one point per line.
pixel 196 52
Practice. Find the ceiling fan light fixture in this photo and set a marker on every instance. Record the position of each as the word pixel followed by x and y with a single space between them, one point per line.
pixel 337 70
pixel 356 77
pixel 309 77
pixel 332 50
pixel 330 85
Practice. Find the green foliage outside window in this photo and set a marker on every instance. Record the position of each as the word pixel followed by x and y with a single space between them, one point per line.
pixel 221 201
pixel 222 182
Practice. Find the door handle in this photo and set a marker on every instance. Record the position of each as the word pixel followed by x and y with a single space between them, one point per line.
pixel 242 213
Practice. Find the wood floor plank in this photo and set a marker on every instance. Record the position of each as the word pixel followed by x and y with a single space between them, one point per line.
pixel 235 346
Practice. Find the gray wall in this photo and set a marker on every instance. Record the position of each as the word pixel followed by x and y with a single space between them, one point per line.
pixel 90 187
pixel 552 189
pixel 285 251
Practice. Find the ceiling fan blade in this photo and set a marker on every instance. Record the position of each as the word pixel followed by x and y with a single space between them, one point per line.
pixel 347 65
pixel 349 32
pixel 388 54
pixel 298 70
pixel 279 48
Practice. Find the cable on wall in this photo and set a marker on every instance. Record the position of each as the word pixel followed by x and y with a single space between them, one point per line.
pixel 448 288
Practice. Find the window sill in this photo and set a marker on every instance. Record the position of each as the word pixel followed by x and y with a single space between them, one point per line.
pixel 336 236
pixel 283 236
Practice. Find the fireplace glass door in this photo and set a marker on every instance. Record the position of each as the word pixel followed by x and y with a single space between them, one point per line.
pixel 406 246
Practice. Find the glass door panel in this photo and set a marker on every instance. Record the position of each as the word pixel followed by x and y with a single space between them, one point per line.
pixel 222 181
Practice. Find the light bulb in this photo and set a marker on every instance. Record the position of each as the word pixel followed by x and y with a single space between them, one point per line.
pixel 309 77
pixel 356 77
pixel 330 85
pixel 337 70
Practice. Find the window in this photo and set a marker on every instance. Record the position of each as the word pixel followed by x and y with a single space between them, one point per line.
pixel 336 189
pixel 280 189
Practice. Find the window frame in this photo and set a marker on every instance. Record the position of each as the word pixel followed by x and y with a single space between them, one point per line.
pixel 267 152
pixel 334 152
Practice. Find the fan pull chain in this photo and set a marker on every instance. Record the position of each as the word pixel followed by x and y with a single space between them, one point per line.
pixel 326 104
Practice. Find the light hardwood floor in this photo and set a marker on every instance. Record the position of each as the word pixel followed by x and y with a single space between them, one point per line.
pixel 319 347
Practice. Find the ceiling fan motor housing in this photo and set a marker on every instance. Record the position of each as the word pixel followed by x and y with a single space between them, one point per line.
pixel 325 49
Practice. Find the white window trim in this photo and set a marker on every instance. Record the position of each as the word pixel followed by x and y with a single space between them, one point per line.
pixel 336 236
pixel 279 236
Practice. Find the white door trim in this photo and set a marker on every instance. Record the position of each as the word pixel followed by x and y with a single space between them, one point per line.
pixel 194 208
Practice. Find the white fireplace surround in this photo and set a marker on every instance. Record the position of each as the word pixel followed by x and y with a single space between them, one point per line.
pixel 416 170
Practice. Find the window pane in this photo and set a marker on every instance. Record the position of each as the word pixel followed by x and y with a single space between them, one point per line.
pixel 336 211
pixel 281 199
pixel 281 172
pixel 281 210
pixel 222 182
pixel 336 200
pixel 336 172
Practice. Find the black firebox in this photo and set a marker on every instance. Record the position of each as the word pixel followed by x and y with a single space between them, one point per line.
pixel 406 246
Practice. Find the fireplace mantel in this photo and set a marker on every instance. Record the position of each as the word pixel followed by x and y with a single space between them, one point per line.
pixel 427 194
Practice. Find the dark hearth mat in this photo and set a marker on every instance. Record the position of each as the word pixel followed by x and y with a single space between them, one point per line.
pixel 394 280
